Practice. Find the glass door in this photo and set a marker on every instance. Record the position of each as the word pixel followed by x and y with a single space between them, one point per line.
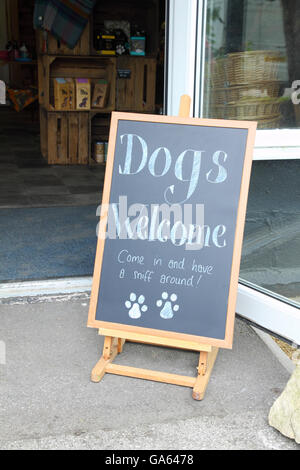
pixel 243 58
pixel 248 68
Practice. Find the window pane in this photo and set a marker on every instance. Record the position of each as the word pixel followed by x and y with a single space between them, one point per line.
pixel 252 62
pixel 271 247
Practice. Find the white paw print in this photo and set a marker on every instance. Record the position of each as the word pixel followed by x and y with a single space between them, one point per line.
pixel 136 305
pixel 169 308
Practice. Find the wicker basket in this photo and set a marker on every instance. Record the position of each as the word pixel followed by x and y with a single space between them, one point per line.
pixel 247 110
pixel 218 112
pixel 252 66
pixel 253 109
pixel 236 93
pixel 218 77
pixel 270 123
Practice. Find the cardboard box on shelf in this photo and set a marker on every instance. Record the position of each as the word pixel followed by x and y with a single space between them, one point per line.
pixel 64 93
pixel 83 94
pixel 100 94
pixel 61 94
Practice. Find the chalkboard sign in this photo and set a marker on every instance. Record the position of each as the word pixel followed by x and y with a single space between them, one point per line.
pixel 172 221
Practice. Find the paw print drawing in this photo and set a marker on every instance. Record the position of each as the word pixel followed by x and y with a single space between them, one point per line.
pixel 136 305
pixel 167 312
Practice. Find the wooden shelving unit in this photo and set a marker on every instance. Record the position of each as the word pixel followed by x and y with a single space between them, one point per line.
pixel 67 137
pixel 63 138
pixel 55 47
pixel 91 67
pixel 137 93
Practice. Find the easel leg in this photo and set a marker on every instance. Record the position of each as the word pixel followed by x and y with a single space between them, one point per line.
pixel 206 363
pixel 112 347
pixel 121 343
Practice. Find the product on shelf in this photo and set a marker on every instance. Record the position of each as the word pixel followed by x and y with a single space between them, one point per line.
pixel 100 94
pixel 63 94
pixel 83 94
pixel 105 44
pixel 137 45
pixel 99 152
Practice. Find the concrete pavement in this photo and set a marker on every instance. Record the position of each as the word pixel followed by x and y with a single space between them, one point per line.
pixel 48 401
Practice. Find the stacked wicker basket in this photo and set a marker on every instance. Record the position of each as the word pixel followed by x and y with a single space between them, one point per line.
pixel 245 86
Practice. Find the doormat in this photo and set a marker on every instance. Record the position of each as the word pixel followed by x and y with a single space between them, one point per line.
pixel 43 243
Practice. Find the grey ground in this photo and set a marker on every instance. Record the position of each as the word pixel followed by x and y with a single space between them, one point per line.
pixel 48 401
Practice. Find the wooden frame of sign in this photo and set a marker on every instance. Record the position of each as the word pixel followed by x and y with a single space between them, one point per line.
pixel 116 334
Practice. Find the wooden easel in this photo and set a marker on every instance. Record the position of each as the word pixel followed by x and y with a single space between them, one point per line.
pixel 115 339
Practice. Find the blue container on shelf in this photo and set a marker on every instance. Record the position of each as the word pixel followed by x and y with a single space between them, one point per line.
pixel 137 45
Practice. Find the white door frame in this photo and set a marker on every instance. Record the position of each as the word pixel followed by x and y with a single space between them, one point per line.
pixel 185 75
pixel 181 50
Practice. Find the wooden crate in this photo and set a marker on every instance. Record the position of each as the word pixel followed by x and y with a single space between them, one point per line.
pixel 56 47
pixel 44 133
pixel 136 93
pixel 99 131
pixel 93 68
pixel 65 137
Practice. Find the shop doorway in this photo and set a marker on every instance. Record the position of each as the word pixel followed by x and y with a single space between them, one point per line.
pixel 52 159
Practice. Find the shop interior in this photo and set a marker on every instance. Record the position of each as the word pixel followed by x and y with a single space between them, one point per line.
pixel 56 98
pixel 54 123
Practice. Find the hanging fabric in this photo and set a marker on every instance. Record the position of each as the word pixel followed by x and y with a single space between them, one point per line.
pixel 65 19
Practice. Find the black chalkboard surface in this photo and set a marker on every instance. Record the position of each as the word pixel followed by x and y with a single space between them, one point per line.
pixel 177 192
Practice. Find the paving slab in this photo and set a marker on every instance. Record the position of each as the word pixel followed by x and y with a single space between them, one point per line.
pixel 48 401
